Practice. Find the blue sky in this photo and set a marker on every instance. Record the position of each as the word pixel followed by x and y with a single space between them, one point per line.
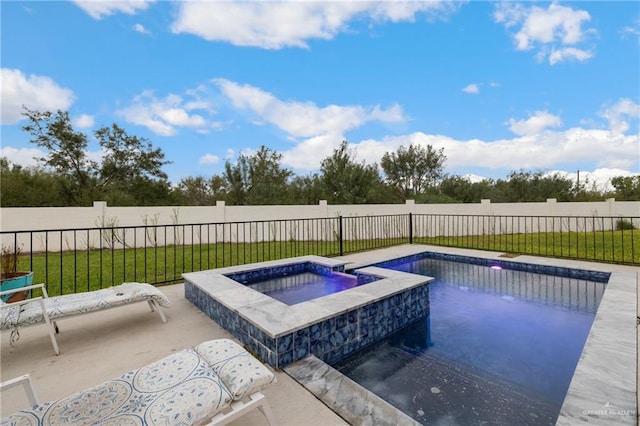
pixel 500 86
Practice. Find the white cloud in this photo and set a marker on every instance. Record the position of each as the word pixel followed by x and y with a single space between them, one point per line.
pixel 180 117
pixel 316 131
pixel 322 128
pixel 96 156
pixel 632 30
pixel 308 154
pixel 33 91
pixel 472 89
pixel 163 115
pixel 620 113
pixel 209 159
pixel 535 124
pixel 141 29
pixel 304 119
pixel 559 55
pixel 575 145
pixel 275 25
pixel 25 157
pixel 547 29
pixel 537 146
pixel 84 121
pixel 100 9
pixel 474 178
pixel 600 178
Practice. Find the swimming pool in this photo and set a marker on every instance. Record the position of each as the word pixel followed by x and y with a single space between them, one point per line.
pixel 498 346
pixel 304 337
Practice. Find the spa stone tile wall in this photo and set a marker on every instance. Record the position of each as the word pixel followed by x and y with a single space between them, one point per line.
pixel 262 274
pixel 330 339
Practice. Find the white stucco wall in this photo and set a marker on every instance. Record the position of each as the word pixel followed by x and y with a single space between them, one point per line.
pixel 101 215
pixel 28 218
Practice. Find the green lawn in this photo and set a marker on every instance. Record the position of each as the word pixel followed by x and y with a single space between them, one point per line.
pixel 71 272
pixel 609 246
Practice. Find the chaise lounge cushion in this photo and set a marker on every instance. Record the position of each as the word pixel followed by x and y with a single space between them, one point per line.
pixel 80 303
pixel 240 372
pixel 181 389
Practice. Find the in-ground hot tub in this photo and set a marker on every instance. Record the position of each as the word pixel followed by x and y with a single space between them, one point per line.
pixel 330 327
pixel 300 282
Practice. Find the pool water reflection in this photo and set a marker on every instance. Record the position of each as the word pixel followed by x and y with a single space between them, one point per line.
pixel 499 346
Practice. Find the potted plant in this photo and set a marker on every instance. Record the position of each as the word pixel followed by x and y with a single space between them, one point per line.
pixel 11 278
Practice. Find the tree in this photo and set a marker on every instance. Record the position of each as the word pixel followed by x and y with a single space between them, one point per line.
pixel 194 191
pixel 66 152
pixel 236 177
pixel 627 188
pixel 218 188
pixel 306 189
pixel 30 187
pixel 257 179
pixel 459 189
pixel 269 180
pixel 346 181
pixel 533 186
pixel 130 172
pixel 200 191
pixel 129 165
pixel 413 170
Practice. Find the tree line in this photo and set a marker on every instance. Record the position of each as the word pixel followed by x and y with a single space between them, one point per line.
pixel 131 173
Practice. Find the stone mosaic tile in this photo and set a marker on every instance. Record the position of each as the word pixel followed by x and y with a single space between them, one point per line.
pixel 329 327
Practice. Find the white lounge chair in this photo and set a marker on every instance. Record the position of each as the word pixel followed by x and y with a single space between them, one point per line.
pixel 214 383
pixel 45 309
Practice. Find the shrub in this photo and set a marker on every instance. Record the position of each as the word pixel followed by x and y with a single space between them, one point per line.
pixel 624 224
pixel 9 259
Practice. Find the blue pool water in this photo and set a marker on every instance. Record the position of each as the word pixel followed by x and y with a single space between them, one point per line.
pixel 498 347
pixel 300 287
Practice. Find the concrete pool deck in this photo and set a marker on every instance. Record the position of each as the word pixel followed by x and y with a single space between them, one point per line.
pixel 103 345
pixel 106 344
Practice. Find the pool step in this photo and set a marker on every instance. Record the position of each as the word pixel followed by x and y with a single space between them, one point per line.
pixel 349 400
pixel 435 391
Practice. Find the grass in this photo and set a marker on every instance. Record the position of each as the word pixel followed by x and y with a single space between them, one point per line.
pixel 84 270
pixel 72 272
pixel 609 246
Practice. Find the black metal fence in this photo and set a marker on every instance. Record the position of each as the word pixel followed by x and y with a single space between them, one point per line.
pixel 602 239
pixel 76 260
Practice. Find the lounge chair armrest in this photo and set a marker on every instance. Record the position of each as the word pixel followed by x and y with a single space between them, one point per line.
pixel 25 288
pixel 25 381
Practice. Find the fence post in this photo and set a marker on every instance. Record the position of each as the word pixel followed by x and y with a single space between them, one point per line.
pixel 340 234
pixel 410 228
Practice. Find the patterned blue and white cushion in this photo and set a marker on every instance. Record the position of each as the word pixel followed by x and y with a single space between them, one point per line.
pixel 181 389
pixel 80 303
pixel 240 372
